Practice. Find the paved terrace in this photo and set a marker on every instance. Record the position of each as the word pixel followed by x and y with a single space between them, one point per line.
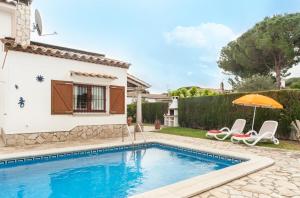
pixel 280 180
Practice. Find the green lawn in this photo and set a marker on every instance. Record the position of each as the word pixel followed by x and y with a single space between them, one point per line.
pixel 196 133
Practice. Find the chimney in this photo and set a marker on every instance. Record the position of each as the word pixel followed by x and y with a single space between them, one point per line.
pixel 23 30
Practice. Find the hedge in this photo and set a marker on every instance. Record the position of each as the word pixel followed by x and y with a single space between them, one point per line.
pixel 131 111
pixel 213 112
pixel 151 111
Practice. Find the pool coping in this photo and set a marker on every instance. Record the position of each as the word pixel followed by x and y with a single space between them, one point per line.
pixel 184 188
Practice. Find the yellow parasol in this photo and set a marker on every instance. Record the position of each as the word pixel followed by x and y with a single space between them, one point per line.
pixel 257 100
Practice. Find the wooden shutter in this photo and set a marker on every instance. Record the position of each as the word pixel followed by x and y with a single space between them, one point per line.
pixel 61 97
pixel 117 100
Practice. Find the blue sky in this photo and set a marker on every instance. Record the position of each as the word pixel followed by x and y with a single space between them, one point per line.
pixel 170 43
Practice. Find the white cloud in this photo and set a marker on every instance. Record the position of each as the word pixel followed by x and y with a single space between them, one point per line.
pixel 189 73
pixel 207 39
pixel 206 35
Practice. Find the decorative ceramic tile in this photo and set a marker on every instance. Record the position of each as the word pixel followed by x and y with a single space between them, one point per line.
pixel 76 154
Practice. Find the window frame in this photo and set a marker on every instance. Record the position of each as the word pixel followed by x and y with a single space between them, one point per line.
pixel 89 98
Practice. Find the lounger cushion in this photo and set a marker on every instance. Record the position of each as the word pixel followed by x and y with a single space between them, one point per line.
pixel 241 135
pixel 215 131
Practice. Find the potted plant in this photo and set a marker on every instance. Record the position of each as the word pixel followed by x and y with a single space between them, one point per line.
pixel 129 120
pixel 157 124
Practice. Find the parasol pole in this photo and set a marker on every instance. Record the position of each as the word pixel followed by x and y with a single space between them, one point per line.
pixel 253 117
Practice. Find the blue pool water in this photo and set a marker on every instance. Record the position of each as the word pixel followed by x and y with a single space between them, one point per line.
pixel 105 173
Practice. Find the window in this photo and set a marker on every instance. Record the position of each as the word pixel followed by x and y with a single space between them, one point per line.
pixel 89 98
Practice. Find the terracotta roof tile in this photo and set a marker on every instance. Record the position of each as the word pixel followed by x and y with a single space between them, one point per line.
pixel 93 75
pixel 62 52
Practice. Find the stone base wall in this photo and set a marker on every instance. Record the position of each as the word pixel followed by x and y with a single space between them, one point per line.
pixel 78 133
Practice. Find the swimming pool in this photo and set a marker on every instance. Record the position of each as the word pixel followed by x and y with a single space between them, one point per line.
pixel 118 171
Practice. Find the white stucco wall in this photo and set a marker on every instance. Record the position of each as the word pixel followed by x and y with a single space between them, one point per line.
pixel 2 96
pixel 3 78
pixel 7 17
pixel 6 30
pixel 22 69
pixel 5 21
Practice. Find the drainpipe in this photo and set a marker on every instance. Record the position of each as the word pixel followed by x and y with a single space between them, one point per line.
pixel 4 60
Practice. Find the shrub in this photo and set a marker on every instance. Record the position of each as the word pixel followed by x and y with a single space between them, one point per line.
pixel 295 85
pixel 131 111
pixel 151 111
pixel 211 112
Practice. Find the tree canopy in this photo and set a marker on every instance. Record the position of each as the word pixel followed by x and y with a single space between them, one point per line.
pixel 192 92
pixel 270 47
pixel 254 83
pixel 293 83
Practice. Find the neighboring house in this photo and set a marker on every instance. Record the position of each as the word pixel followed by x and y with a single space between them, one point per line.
pixel 51 93
pixel 157 97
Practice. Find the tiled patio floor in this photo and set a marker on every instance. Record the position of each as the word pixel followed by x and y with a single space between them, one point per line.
pixel 280 180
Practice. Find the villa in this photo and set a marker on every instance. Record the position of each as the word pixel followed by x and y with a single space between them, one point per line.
pixel 64 130
pixel 51 93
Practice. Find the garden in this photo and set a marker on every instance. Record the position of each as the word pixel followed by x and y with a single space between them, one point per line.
pixel 199 114
pixel 258 61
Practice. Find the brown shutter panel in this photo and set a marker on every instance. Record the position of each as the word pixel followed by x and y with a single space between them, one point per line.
pixel 117 100
pixel 61 97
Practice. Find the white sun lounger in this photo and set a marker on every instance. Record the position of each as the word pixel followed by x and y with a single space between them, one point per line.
pixel 237 128
pixel 266 133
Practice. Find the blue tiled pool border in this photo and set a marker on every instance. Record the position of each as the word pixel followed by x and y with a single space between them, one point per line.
pixel 85 153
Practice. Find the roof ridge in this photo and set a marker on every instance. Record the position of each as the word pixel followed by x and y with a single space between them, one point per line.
pixel 62 52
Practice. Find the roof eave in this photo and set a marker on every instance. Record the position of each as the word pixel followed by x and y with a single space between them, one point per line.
pixel 15 2
pixel 138 82
pixel 10 44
